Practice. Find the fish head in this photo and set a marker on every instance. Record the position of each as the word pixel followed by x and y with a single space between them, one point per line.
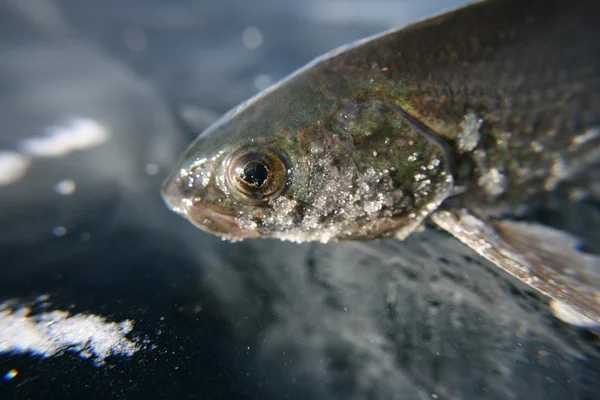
pixel 308 160
pixel 234 179
pixel 216 183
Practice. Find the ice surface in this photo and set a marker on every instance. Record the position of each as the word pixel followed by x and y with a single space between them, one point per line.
pixel 371 320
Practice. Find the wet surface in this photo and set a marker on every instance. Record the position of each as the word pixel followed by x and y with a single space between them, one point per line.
pixel 84 226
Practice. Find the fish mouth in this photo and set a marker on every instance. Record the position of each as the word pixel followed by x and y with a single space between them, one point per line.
pixel 204 215
pixel 210 219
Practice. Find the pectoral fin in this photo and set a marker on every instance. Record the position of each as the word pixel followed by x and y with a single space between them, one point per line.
pixel 544 258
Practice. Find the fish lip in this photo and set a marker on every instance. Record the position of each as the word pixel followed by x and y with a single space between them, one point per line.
pixel 204 215
pixel 210 219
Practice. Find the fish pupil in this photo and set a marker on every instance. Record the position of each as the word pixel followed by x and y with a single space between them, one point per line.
pixel 254 173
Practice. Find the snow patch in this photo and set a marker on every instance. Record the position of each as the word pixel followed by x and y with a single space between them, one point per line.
pixel 51 333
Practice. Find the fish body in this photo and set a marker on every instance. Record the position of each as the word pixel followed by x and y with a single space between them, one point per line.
pixel 465 119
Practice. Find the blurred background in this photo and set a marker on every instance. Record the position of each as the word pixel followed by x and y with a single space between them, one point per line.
pixel 105 293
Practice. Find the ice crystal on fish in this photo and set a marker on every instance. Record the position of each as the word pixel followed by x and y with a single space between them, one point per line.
pixel 493 182
pixel 469 136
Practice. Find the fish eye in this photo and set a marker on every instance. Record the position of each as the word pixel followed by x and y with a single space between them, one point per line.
pixel 257 174
pixel 254 173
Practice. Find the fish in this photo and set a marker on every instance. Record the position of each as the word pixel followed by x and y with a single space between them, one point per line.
pixel 466 120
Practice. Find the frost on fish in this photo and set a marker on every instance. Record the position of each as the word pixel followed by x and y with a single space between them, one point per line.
pixel 578 162
pixel 341 198
pixel 493 182
pixel 353 170
pixel 468 137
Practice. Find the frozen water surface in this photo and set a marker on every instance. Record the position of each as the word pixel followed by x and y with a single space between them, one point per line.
pixel 96 104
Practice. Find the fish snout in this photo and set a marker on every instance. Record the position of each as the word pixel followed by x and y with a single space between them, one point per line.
pixel 175 190
pixel 185 196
